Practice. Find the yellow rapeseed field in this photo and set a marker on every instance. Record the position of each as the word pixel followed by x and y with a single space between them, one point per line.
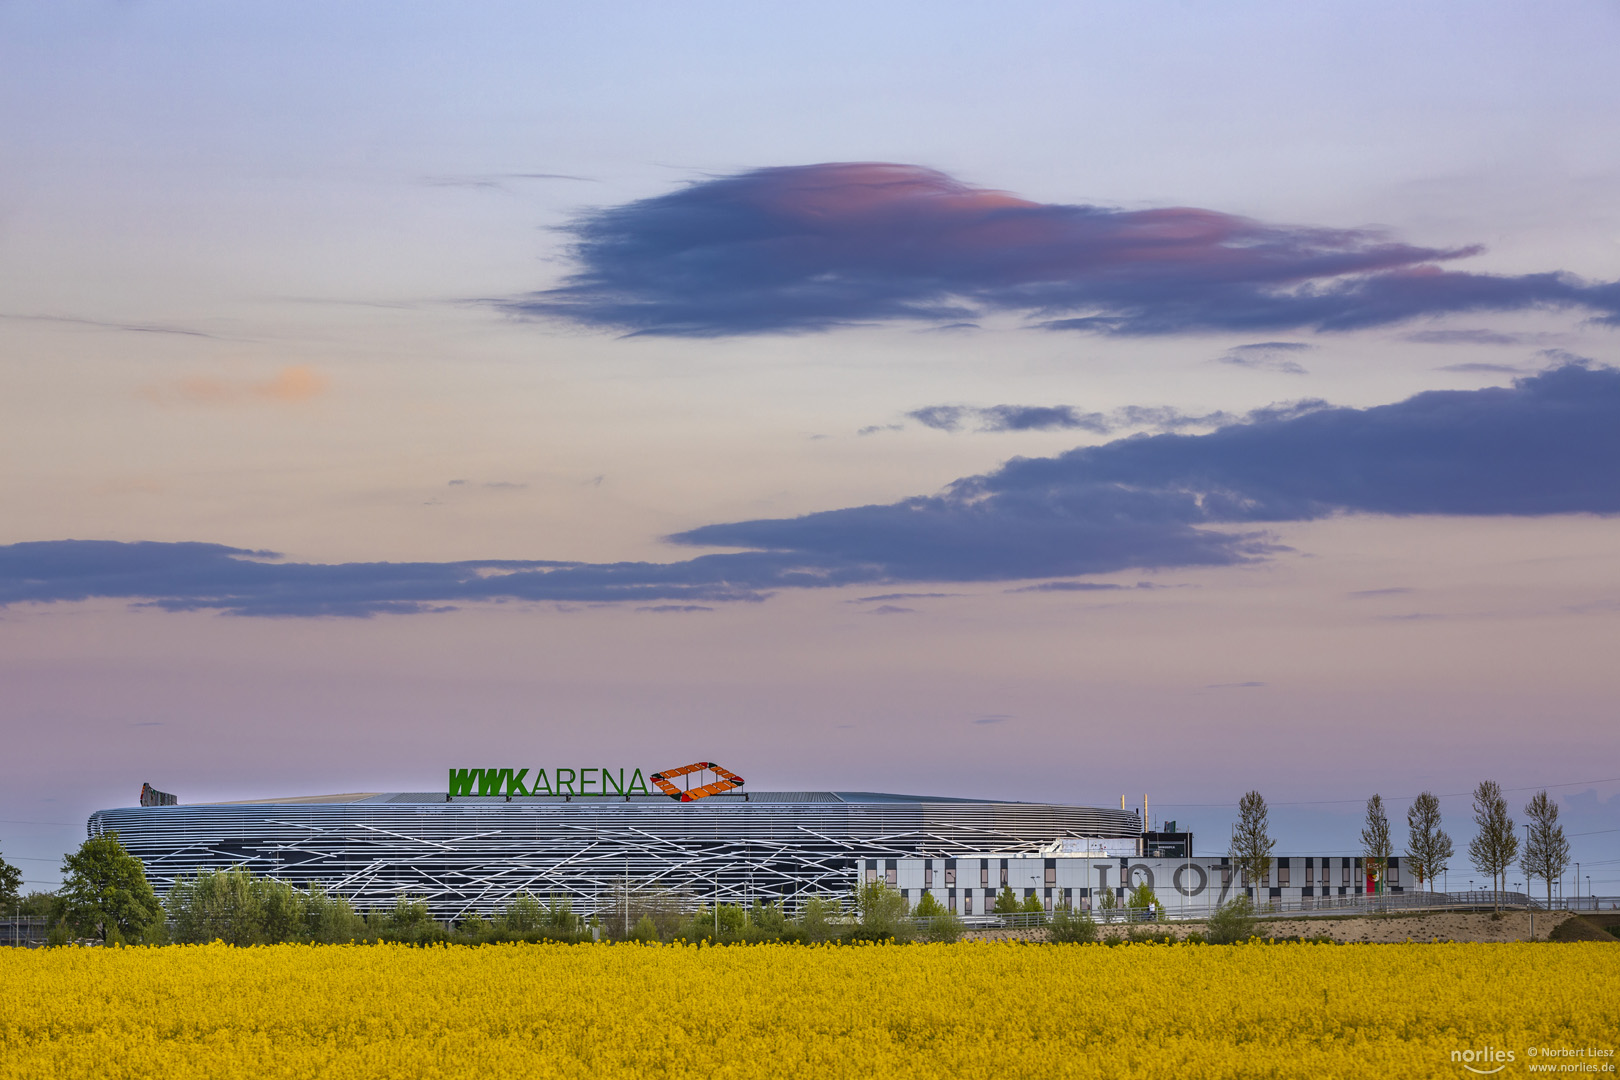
pixel 974 1010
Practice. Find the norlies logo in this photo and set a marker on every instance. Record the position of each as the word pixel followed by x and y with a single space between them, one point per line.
pixel 594 782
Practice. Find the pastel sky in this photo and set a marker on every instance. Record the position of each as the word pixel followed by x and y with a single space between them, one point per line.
pixel 1041 401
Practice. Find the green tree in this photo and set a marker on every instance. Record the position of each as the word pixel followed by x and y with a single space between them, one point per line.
pixel 1428 848
pixel 1494 847
pixel 1006 902
pixel 10 887
pixel 218 905
pixel 942 925
pixel 1232 922
pixel 105 891
pixel 883 913
pixel 523 915
pixel 1546 852
pixel 1143 899
pixel 1375 846
pixel 645 931
pixel 1251 839
pixel 818 919
pixel 330 919
pixel 1106 903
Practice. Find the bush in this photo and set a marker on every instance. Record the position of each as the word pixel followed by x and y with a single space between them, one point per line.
pixel 816 920
pixel 1072 927
pixel 1006 902
pixel 883 913
pixel 645 931
pixel 1143 901
pixel 1232 922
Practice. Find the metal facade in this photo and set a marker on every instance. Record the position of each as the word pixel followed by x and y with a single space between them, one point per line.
pixel 475 854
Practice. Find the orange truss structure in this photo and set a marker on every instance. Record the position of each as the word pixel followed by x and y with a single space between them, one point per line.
pixel 726 781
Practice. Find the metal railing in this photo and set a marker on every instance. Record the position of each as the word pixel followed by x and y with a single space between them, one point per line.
pixel 1309 907
pixel 22 933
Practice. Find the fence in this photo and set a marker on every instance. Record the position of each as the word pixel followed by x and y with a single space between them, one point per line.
pixel 23 933
pixel 1312 907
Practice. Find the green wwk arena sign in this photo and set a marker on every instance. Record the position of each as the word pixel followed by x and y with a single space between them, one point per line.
pixel 574 782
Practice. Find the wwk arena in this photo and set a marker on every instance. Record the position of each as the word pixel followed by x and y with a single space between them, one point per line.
pixel 697 832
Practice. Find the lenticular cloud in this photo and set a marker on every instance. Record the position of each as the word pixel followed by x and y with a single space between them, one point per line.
pixel 813 247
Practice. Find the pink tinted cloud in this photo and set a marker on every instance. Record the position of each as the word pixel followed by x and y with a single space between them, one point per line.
pixel 815 246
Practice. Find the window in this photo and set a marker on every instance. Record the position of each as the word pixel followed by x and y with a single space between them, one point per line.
pixel 1282 876
pixel 1226 877
pixel 890 874
pixel 1051 871
pixel 905 894
pixel 1346 874
pixel 1068 898
pixel 984 872
pixel 928 874
pixel 871 874
pixel 950 900
pixel 1394 874
pixel 1004 871
pixel 950 873
pixel 1327 878
pixel 1048 899
pixel 967 901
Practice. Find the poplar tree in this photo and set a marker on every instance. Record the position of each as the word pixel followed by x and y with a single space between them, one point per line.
pixel 1251 839
pixel 1428 848
pixel 1375 846
pixel 1494 848
pixel 1546 852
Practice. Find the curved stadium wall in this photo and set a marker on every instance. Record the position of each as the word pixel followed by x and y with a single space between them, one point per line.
pixel 474 855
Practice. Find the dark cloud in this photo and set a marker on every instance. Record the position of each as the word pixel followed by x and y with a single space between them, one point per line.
pixel 683 609
pixel 1546 445
pixel 892 609
pixel 811 247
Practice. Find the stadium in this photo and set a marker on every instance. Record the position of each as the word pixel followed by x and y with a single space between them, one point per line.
pixel 568 837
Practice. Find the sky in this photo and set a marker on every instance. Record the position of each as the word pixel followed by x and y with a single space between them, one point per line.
pixel 1052 402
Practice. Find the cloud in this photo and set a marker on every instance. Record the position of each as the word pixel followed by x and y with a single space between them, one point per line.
pixel 1466 337
pixel 1234 685
pixel 892 609
pixel 995 418
pixel 1545 445
pixel 1477 368
pixel 1269 355
pixel 1399 590
pixel 676 608
pixel 101 324
pixel 289 386
pixel 1083 586
pixel 903 596
pixel 813 247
